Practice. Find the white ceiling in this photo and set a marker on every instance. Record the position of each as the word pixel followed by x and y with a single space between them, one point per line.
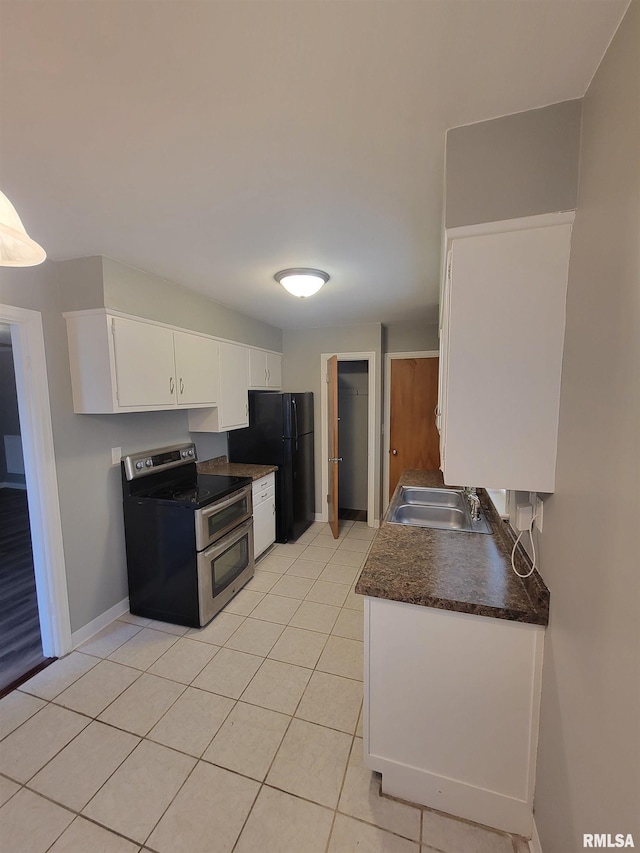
pixel 214 143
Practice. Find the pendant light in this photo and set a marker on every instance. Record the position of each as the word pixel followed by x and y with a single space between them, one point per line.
pixel 301 281
pixel 17 249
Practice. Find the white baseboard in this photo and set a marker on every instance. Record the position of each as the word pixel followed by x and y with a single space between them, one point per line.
pixel 83 634
pixel 22 486
pixel 534 842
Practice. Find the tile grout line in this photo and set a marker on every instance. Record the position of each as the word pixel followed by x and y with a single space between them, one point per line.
pixel 291 719
pixel 261 784
pixel 145 737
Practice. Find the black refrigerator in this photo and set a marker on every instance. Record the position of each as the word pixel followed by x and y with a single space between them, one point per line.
pixel 280 432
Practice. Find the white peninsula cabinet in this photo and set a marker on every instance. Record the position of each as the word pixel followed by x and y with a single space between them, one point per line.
pixel 123 364
pixel 451 710
pixel 265 369
pixel 264 514
pixel 501 342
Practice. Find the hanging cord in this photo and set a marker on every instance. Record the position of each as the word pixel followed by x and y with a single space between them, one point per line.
pixel 533 548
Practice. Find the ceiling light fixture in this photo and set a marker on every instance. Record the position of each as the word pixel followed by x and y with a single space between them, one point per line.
pixel 17 249
pixel 302 282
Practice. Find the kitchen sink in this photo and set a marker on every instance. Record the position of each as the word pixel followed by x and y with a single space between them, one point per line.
pixel 443 509
pixel 421 496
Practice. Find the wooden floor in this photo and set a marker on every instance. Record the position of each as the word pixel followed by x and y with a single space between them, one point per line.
pixel 352 514
pixel 20 645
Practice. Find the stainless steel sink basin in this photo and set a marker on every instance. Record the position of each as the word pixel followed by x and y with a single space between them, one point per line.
pixel 422 496
pixel 444 509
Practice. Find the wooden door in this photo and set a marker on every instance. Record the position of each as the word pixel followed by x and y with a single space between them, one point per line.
pixel 414 442
pixel 332 432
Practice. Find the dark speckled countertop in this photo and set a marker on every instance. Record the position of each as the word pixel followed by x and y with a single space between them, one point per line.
pixel 220 465
pixel 449 570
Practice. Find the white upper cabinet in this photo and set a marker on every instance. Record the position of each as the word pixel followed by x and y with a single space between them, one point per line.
pixel 122 364
pixel 501 344
pixel 232 411
pixel 197 369
pixel 265 370
pixel 234 383
pixel 144 364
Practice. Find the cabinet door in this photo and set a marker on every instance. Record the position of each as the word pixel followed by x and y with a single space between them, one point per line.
pixel 196 369
pixel 504 358
pixel 233 402
pixel 257 369
pixel 264 526
pixel 444 360
pixel 274 370
pixel 145 371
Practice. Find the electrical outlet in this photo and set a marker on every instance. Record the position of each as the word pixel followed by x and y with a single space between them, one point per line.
pixel 538 509
pixel 116 455
pixel 524 514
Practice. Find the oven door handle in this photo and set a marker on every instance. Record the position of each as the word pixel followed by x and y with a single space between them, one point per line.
pixel 227 541
pixel 213 508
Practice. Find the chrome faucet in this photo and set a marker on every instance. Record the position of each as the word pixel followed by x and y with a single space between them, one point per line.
pixel 474 502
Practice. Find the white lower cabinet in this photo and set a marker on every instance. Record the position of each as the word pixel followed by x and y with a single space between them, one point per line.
pixel 451 710
pixel 264 514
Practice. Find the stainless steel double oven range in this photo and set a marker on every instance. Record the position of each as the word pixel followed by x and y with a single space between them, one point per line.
pixel 189 536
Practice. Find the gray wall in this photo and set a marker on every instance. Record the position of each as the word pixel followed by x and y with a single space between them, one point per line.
pixel 517 165
pixel 92 528
pixel 9 417
pixel 101 282
pixel 409 337
pixel 588 776
pixel 93 533
pixel 353 410
pixel 136 292
pixel 301 351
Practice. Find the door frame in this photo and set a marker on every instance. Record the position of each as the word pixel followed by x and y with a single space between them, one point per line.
pixel 27 341
pixel 387 413
pixel 369 357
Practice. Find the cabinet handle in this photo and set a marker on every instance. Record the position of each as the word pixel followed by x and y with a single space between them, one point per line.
pixel 181 386
pixel 171 385
pixel 268 374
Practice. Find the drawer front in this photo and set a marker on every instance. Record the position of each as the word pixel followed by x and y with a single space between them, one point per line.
pixel 263 483
pixel 260 497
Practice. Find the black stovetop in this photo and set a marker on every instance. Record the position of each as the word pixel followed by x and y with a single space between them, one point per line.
pixel 186 489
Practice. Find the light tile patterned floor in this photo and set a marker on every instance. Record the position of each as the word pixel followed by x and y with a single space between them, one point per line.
pixel 242 737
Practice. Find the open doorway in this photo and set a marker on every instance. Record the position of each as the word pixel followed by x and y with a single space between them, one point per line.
pixel 353 429
pixel 38 458
pixel 332 455
pixel 20 638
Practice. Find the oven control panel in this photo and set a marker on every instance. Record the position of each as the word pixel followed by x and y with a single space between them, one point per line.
pixel 149 461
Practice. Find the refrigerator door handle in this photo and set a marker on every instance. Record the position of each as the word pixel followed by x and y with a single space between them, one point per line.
pixel 295 416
